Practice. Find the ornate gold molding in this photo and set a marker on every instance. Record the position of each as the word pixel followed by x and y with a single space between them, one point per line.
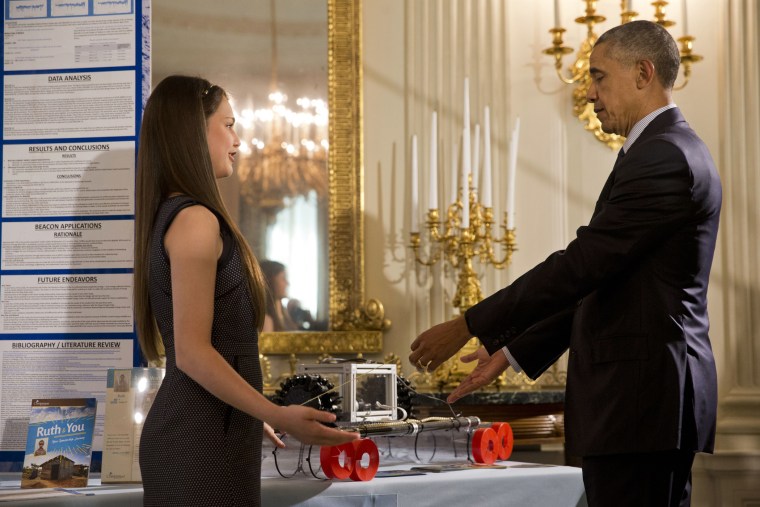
pixel 322 344
pixel 356 326
pixel 348 310
pixel 329 342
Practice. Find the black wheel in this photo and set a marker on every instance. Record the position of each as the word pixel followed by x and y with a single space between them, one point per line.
pixel 309 390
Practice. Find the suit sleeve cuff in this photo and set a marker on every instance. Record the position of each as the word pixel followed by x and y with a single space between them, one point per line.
pixel 512 360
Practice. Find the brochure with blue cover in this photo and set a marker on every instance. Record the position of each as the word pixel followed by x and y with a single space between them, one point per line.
pixel 59 443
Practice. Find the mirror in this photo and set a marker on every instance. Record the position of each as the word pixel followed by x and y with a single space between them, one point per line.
pixel 316 55
pixel 271 57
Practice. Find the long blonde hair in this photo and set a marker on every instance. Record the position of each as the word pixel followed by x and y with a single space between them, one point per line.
pixel 173 157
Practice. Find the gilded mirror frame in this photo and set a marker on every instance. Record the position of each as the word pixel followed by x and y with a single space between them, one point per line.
pixel 356 326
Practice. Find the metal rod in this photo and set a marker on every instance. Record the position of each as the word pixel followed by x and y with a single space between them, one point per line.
pixel 412 426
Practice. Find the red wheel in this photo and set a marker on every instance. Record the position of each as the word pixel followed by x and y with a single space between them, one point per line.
pixel 504 438
pixel 329 458
pixel 484 444
pixel 362 447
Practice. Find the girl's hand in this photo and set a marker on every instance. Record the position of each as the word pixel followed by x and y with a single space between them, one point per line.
pixel 271 435
pixel 305 424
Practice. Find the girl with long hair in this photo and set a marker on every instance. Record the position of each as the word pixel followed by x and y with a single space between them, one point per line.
pixel 200 299
pixel 277 317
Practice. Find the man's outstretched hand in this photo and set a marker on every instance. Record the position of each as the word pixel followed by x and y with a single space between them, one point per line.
pixel 437 344
pixel 487 369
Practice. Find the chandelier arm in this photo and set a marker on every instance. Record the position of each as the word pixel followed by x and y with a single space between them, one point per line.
pixel 414 244
pixel 510 247
pixel 428 264
pixel 433 258
pixel 572 80
pixel 500 264
pixel 687 59
pixel 490 256
pixel 682 85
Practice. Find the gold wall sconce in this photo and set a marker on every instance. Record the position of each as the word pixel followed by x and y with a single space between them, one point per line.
pixel 579 75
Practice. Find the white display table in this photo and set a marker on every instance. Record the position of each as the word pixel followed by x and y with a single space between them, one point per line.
pixel 544 487
pixel 519 485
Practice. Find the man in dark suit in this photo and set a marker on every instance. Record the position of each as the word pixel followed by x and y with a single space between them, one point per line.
pixel 627 297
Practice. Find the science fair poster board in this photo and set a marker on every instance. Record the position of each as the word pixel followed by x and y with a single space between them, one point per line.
pixel 76 74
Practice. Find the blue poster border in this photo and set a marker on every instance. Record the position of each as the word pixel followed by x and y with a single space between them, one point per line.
pixel 12 460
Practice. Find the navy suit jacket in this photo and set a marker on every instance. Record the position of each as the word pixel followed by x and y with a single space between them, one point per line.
pixel 628 298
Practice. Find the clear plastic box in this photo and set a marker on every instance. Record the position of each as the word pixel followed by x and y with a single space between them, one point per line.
pixel 368 390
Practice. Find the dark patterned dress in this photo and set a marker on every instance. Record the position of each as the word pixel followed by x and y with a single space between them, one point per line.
pixel 196 449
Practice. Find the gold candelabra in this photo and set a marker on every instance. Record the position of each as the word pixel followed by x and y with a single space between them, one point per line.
pixel 579 69
pixel 460 243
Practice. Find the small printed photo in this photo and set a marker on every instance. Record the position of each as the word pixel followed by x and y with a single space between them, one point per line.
pixel 122 380
pixel 42 446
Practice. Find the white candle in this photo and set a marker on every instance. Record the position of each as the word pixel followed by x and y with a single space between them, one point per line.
pixel 415 187
pixel 465 174
pixel 556 14
pixel 511 175
pixel 466 154
pixel 476 157
pixel 433 195
pixel 629 5
pixel 485 193
pixel 454 171
pixel 685 19
pixel 466 112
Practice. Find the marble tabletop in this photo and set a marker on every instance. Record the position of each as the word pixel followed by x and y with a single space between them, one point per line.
pixel 520 397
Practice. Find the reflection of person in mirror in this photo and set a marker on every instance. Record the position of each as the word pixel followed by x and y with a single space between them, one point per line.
pixel 195 278
pixel 277 318
pixel 302 317
pixel 40 451
pixel 122 386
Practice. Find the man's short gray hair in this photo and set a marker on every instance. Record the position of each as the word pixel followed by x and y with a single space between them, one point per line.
pixel 644 40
